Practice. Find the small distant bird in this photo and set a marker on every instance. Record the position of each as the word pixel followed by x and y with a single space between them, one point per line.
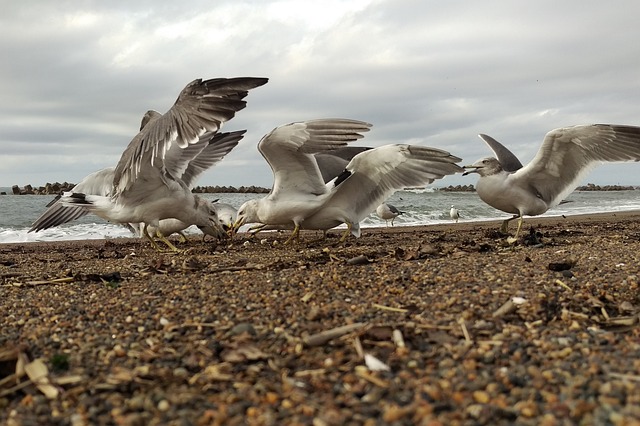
pixel 455 215
pixel 387 211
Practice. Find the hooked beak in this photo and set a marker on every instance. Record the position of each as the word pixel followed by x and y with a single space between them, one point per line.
pixel 233 229
pixel 467 172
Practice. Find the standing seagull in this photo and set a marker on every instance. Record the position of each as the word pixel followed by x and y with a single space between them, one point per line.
pixel 455 215
pixel 369 178
pixel 387 211
pixel 567 154
pixel 146 185
pixel 298 186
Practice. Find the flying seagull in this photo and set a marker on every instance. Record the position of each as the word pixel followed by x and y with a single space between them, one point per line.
pixel 565 157
pixel 146 186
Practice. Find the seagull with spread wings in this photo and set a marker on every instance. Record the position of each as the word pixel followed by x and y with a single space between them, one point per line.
pixel 565 157
pixel 298 187
pixel 147 185
pixel 216 146
pixel 300 199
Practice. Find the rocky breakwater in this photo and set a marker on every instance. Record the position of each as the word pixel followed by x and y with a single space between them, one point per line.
pixel 57 188
pixel 48 189
pixel 594 187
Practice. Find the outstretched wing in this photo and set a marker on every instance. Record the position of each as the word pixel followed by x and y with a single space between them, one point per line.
pixel 376 174
pixel 202 106
pixel 289 151
pixel 97 183
pixel 218 147
pixel 567 154
pixel 507 159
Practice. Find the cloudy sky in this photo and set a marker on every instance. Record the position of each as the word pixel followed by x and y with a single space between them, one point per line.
pixel 77 76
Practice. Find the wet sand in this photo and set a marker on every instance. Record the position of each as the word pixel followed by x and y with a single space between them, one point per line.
pixel 467 329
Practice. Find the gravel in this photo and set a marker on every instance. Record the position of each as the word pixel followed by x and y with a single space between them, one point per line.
pixel 436 325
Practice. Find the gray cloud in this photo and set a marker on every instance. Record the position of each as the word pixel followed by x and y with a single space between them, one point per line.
pixel 76 77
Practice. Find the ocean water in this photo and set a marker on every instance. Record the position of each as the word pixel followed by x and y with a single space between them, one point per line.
pixel 420 207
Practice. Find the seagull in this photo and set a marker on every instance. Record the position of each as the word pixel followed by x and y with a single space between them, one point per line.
pixel 216 146
pixel 226 215
pixel 146 186
pixel 455 215
pixel 387 211
pixel 369 178
pixel 565 157
pixel 373 176
pixel 298 189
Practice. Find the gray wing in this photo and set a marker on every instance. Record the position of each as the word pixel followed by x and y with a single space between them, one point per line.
pixel 569 153
pixel 394 209
pixel 289 151
pixel 507 159
pixel 97 183
pixel 218 147
pixel 202 106
pixel 332 163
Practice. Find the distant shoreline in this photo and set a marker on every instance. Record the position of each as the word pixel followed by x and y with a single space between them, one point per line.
pixel 57 188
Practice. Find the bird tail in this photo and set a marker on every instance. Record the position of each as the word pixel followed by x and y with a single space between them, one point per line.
pixel 90 202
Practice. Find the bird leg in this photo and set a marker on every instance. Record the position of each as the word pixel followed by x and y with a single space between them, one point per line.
pixel 183 238
pixel 295 234
pixel 505 223
pixel 519 226
pixel 345 234
pixel 145 234
pixel 167 242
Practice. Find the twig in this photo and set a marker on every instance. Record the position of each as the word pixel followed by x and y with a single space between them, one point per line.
pixel 325 336
pixel 463 326
pixel 398 339
pixel 389 308
pixel 560 283
pixel 632 377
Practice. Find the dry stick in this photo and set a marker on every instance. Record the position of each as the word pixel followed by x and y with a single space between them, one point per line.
pixel 389 308
pixel 398 339
pixel 463 326
pixel 325 336
pixel 505 309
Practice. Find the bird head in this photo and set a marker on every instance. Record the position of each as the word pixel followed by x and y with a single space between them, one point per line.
pixel 484 167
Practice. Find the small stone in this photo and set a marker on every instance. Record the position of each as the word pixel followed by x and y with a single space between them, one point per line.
pixel 481 397
pixel 163 405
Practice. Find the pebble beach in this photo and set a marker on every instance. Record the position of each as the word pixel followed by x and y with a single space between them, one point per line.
pixel 431 325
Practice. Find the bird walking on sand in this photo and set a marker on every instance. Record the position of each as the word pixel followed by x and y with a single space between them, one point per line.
pixel 388 212
pixel 146 185
pixel 566 155
pixel 454 213
pixel 299 189
pixel 300 198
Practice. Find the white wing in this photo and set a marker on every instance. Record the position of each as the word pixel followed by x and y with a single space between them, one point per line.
pixel 376 174
pixel 289 151
pixel 568 154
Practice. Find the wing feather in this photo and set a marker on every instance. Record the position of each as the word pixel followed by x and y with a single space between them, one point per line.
pixel 202 106
pixel 568 154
